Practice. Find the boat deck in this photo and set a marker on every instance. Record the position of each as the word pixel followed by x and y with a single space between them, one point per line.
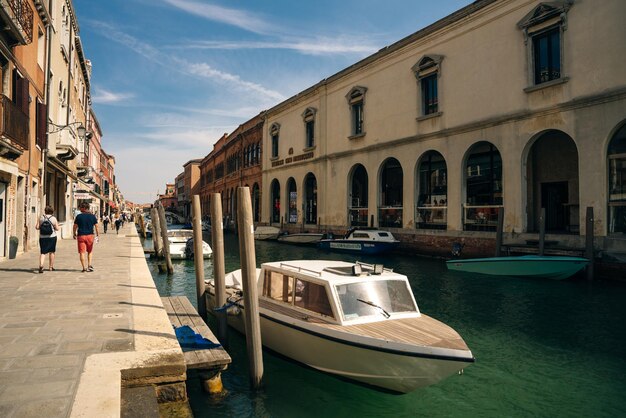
pixel 425 331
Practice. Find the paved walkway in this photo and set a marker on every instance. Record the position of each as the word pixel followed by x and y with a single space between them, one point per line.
pixel 68 338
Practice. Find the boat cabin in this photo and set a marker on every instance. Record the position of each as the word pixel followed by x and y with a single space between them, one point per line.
pixel 336 292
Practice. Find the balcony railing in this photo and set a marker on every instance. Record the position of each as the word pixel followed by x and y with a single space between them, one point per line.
pixel 21 16
pixel 13 123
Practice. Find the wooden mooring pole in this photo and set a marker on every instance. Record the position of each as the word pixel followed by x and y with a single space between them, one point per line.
pixel 166 243
pixel 249 279
pixel 198 255
pixel 217 244
pixel 499 232
pixel 156 233
pixel 589 253
pixel 542 231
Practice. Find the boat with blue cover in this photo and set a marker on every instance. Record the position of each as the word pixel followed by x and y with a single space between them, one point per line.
pixel 540 266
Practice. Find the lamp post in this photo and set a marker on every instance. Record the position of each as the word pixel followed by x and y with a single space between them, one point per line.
pixel 81 132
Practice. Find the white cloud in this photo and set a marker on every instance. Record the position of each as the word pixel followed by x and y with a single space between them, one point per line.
pixel 317 46
pixel 203 70
pixel 103 96
pixel 239 18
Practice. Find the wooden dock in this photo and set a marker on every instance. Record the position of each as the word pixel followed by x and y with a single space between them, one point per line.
pixel 181 312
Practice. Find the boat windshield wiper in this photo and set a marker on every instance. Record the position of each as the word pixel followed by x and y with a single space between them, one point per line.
pixel 369 302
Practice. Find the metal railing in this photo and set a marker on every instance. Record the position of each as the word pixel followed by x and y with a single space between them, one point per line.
pixel 480 218
pixel 23 15
pixel 431 217
pixel 13 122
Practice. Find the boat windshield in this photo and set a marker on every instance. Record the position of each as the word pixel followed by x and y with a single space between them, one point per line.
pixel 375 297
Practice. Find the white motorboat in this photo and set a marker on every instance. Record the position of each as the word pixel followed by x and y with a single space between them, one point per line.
pixel 301 238
pixel 353 320
pixel 181 247
pixel 266 232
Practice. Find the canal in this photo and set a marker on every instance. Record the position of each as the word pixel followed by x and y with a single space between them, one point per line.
pixel 542 348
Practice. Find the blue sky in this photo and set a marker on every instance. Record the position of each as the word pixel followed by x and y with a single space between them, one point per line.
pixel 171 76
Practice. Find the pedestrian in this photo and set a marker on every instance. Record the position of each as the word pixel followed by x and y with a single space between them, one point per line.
pixel 118 223
pixel 47 225
pixel 105 223
pixel 84 225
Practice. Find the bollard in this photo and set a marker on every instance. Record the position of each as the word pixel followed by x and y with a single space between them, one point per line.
pixel 198 256
pixel 219 281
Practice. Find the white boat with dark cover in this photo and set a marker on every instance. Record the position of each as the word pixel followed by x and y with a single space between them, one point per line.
pixel 266 233
pixel 353 320
pixel 301 238
pixel 180 246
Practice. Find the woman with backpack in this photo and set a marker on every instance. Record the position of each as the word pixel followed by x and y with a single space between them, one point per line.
pixel 47 225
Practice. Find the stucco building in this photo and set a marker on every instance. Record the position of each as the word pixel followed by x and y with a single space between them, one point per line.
pixel 505 103
pixel 235 161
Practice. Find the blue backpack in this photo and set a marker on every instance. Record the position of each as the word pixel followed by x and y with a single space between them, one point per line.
pixel 46 227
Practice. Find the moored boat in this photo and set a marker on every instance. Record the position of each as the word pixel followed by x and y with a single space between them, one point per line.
pixel 353 320
pixel 266 232
pixel 552 267
pixel 179 248
pixel 361 240
pixel 301 238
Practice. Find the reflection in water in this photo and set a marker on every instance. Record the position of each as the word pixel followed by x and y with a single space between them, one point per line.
pixel 543 348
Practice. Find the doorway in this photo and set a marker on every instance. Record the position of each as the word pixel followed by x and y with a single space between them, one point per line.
pixel 554 197
pixel 3 235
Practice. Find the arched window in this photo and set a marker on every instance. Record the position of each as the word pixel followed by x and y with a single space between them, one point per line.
pixel 256 202
pixel 292 199
pixel 391 194
pixel 310 199
pixel 275 201
pixel 483 186
pixel 617 182
pixel 309 127
pixel 432 192
pixel 357 211
pixel 274 134
pixel 356 100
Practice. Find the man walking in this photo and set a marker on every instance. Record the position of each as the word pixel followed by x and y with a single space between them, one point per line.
pixel 84 225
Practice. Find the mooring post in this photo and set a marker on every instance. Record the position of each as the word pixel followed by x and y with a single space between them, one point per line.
pixel 198 255
pixel 249 279
pixel 142 224
pixel 166 243
pixel 499 231
pixel 589 253
pixel 217 243
pixel 542 231
pixel 156 233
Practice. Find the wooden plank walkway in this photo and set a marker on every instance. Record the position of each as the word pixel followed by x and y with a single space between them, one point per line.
pixel 181 312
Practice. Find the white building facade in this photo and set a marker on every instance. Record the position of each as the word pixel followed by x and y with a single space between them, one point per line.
pixel 505 103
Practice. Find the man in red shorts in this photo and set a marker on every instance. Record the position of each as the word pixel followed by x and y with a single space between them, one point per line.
pixel 84 225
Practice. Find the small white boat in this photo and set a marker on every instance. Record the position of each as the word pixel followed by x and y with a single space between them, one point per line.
pixel 301 238
pixel 266 233
pixel 180 249
pixel 353 320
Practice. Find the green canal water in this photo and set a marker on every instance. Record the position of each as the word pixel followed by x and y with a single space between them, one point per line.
pixel 543 348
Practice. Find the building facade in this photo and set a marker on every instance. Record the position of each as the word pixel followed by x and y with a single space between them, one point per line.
pixel 235 161
pixel 512 104
pixel 23 55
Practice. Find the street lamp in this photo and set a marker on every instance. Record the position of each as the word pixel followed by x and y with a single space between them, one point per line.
pixel 80 129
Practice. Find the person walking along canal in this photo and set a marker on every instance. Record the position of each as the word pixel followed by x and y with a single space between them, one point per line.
pixel 47 225
pixel 84 225
pixel 105 223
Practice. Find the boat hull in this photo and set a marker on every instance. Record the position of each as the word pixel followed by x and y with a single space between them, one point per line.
pixel 379 366
pixel 301 239
pixel 355 246
pixel 557 268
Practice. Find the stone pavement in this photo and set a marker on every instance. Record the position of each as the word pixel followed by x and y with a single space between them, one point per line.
pixel 69 340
